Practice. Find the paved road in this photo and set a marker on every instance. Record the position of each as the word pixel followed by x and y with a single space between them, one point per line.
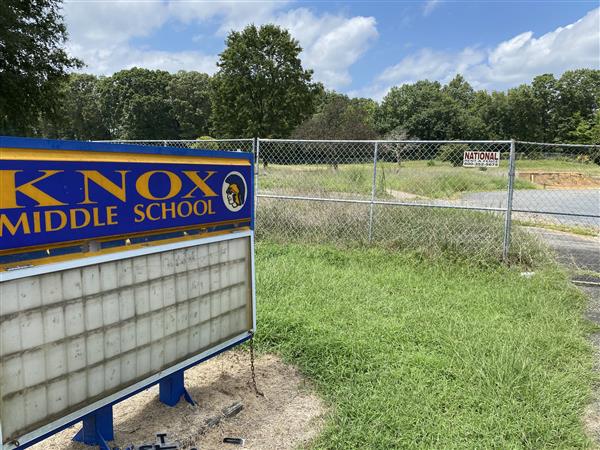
pixel 573 251
pixel 578 201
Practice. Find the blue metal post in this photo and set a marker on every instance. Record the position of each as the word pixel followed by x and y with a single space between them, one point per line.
pixel 97 428
pixel 171 388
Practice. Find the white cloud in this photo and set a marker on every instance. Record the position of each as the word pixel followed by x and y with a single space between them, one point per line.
pixel 332 44
pixel 430 5
pixel 230 14
pixel 93 21
pixel 101 34
pixel 510 63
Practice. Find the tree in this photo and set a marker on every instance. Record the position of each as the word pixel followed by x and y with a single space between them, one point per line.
pixel 522 117
pixel 32 62
pixel 135 105
pixel 545 95
pixel 261 88
pixel 339 118
pixel 426 110
pixel 578 92
pixel 189 93
pixel 78 111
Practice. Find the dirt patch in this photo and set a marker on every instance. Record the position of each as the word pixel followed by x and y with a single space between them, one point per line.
pixel 400 195
pixel 288 416
pixel 559 180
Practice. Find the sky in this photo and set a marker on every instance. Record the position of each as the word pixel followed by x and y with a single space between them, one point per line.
pixel 361 48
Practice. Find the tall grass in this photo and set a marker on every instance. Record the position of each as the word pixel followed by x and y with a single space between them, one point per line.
pixel 461 235
pixel 428 354
pixel 438 181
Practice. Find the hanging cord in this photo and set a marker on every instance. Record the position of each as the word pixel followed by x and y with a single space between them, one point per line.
pixel 252 370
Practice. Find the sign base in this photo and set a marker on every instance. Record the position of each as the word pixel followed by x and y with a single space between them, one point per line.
pixel 172 388
pixel 97 428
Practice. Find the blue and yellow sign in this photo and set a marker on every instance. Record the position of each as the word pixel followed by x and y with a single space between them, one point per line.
pixel 53 192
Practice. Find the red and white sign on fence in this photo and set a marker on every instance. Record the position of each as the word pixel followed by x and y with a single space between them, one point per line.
pixel 481 159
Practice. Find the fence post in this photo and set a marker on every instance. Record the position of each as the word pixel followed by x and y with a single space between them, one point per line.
pixel 373 191
pixel 256 151
pixel 509 202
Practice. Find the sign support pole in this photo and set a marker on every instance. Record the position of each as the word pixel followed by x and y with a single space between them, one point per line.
pixel 172 388
pixel 97 428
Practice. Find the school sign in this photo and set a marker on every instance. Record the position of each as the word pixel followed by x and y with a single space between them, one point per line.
pixel 59 196
pixel 120 267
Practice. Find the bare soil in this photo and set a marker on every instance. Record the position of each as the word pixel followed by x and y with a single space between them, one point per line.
pixel 558 180
pixel 288 416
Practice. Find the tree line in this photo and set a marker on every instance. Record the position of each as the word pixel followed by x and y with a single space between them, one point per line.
pixel 261 89
pixel 153 104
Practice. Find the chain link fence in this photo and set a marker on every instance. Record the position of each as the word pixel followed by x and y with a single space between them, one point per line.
pixel 233 145
pixel 563 208
pixel 419 196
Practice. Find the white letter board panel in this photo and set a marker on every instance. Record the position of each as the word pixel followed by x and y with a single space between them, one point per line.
pixel 72 337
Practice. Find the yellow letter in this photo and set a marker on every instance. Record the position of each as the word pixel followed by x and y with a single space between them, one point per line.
pixel 9 189
pixel 23 221
pixel 104 183
pixel 110 215
pixel 143 188
pixel 73 215
pixel 48 220
pixel 139 212
pixel 149 210
pixel 200 183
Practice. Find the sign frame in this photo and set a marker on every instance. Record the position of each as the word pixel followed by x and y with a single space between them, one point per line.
pixel 77 260
pixel 54 152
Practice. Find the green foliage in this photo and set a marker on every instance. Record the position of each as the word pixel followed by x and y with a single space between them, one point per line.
pixel 78 111
pixel 340 117
pixel 132 104
pixel 452 153
pixel 548 110
pixel 414 353
pixel 135 105
pixel 261 88
pixel 33 62
pixel 428 110
pixel 189 95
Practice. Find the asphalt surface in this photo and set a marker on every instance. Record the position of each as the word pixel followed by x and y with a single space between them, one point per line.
pixel 542 202
pixel 574 251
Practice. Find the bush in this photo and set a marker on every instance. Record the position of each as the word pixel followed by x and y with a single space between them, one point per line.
pixel 452 153
pixel 595 156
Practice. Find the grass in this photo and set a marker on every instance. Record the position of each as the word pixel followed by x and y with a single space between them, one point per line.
pixel 415 177
pixel 555 165
pixel 445 181
pixel 573 229
pixel 457 235
pixel 415 353
pixel 432 179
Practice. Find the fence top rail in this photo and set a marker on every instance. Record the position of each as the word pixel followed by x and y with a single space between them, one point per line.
pixel 383 141
pixel 195 141
pixel 547 144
